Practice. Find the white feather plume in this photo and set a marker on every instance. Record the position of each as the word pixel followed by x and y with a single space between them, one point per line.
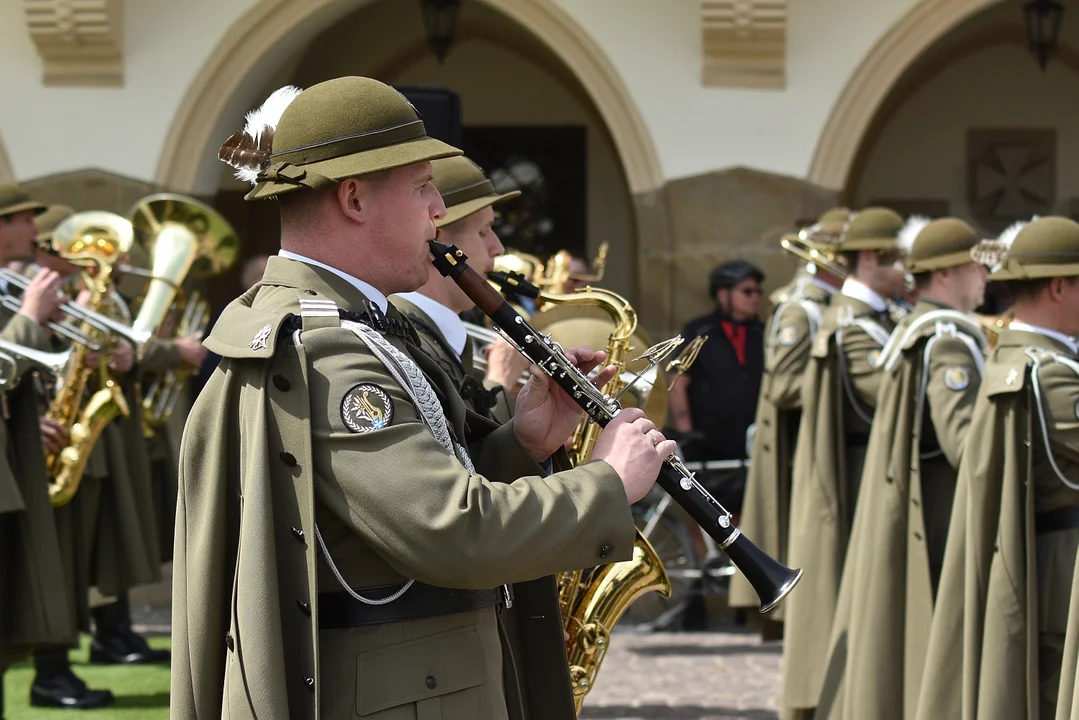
pixel 1007 237
pixel 262 121
pixel 910 231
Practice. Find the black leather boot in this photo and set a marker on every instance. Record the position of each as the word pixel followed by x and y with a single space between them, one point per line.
pixel 56 686
pixel 114 641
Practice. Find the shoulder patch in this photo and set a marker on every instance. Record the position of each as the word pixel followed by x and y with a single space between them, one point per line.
pixel 956 378
pixel 873 358
pixel 788 335
pixel 366 408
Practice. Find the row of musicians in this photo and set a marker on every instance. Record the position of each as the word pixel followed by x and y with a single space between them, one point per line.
pixel 63 567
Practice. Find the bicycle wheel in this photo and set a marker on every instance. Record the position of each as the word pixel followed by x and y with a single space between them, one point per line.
pixel 671 541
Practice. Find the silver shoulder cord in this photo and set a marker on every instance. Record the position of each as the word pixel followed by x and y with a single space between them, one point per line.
pixel 846 319
pixel 408 378
pixel 1036 357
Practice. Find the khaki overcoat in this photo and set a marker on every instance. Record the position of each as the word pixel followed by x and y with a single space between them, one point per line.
pixel 839 392
pixel 765 513
pixel 923 414
pixel 266 452
pixel 997 640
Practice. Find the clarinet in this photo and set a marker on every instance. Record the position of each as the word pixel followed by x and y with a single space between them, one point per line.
pixel 771 580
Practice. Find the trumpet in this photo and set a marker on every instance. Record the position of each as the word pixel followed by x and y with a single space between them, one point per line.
pixel 9 372
pixel 799 246
pixel 101 323
pixel 52 363
pixel 771 580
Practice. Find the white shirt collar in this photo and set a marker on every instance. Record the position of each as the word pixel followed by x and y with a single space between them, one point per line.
pixel 446 320
pixel 1067 340
pixel 830 289
pixel 860 291
pixel 369 291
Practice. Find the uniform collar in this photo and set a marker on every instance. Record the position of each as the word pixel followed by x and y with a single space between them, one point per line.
pixel 446 320
pixel 1066 340
pixel 860 291
pixel 830 289
pixel 369 291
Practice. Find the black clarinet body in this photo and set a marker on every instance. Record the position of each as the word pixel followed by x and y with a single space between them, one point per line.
pixel 771 580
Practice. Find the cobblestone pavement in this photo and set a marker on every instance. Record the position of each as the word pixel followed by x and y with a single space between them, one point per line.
pixel 687 676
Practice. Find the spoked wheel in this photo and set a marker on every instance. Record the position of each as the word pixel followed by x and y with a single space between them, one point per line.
pixel 670 539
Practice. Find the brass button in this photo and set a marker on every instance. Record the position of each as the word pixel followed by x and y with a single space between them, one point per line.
pixel 431 682
pixel 281 383
pixel 229 642
pixel 606 550
pixel 288 458
pixel 298 534
pixel 310 683
pixel 304 607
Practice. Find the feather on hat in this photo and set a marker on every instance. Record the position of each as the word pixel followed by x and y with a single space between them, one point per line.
pixel 248 150
pixel 909 233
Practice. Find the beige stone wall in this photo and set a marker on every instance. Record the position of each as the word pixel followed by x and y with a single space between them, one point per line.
pixel 691 225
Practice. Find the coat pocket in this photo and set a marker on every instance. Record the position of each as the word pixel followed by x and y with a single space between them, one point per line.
pixel 441 675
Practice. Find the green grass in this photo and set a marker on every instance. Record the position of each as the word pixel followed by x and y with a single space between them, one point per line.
pixel 142 691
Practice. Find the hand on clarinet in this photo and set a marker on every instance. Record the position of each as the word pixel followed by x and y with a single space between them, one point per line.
pixel 636 449
pixel 546 416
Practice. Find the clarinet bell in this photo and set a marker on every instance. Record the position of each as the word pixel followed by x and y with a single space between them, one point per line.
pixel 771 579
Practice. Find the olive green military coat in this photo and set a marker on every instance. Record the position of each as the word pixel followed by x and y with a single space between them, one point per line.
pixel 266 452
pixel 435 345
pixel 766 508
pixel 34 603
pixel 997 640
pixel 827 471
pixel 881 624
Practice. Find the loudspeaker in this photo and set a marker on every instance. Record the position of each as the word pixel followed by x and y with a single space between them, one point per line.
pixel 440 109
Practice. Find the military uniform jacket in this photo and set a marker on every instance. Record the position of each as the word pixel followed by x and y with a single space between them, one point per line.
pixel 932 371
pixel 489 402
pixel 997 637
pixel 765 511
pixel 267 451
pixel 34 607
pixel 839 392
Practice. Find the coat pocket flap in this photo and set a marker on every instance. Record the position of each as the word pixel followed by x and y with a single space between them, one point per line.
pixel 419 669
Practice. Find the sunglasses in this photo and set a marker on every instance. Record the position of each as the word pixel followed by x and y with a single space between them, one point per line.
pixel 749 290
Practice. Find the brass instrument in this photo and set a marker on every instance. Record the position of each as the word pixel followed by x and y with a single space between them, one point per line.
pixel 557 273
pixel 100 238
pixel 821 255
pixel 53 363
pixel 9 372
pixel 183 236
pixel 164 392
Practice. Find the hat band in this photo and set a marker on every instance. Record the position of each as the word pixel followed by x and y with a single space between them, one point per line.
pixel 1044 258
pixel 351 144
pixel 468 192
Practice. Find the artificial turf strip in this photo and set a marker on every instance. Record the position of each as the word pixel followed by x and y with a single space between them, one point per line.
pixel 142 691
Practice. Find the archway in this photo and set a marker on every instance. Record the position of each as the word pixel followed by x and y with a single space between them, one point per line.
pixel 255 47
pixel 865 92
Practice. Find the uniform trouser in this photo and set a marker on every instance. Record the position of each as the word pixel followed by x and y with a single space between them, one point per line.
pixel 1056 553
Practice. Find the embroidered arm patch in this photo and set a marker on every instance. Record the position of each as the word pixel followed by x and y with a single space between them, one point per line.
pixel 366 408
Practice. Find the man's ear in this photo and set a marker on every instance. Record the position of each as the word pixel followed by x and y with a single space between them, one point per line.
pixel 352 198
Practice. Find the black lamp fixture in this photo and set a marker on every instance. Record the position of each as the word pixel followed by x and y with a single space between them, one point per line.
pixel 1043 20
pixel 440 19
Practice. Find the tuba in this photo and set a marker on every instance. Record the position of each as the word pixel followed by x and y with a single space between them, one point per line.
pixel 183 236
pixel 100 238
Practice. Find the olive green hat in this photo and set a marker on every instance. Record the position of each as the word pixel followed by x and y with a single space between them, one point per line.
pixel 940 244
pixel 875 228
pixel 341 128
pixel 1044 248
pixel 13 199
pixel 824 233
pixel 47 221
pixel 464 188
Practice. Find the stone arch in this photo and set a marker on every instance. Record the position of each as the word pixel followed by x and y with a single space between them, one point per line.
pixel 239 63
pixel 869 86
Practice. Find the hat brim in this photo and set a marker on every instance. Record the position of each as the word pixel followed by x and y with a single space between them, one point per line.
pixel 362 163
pixel 473 206
pixel 37 207
pixel 1035 272
pixel 941 262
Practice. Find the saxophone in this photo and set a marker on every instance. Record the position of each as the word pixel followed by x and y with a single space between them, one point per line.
pixel 591 605
pixel 85 423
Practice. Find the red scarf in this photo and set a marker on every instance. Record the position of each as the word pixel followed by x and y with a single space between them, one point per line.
pixel 736 333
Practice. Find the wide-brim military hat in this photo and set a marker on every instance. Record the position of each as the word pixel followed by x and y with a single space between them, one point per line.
pixel 464 188
pixel 941 244
pixel 1044 248
pixel 338 129
pixel 47 221
pixel 13 199
pixel 874 228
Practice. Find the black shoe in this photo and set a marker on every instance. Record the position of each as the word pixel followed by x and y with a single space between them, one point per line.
pixel 66 690
pixel 123 646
